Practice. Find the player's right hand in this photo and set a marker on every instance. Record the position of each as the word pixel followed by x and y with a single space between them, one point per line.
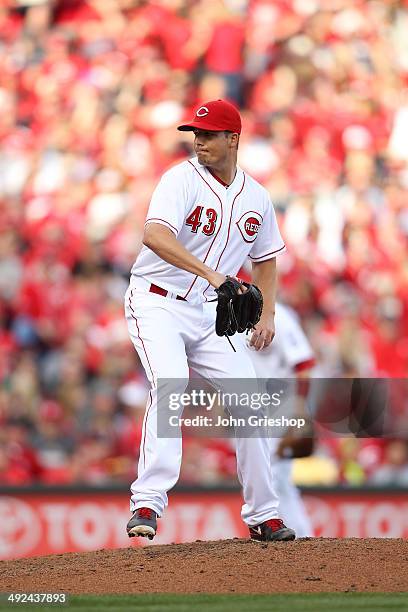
pixel 216 279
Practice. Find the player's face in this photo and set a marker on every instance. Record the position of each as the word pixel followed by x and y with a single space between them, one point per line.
pixel 213 148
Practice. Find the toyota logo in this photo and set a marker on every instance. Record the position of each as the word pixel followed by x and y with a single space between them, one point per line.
pixel 20 528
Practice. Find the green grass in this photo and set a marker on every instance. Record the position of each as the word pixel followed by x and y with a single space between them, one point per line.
pixel 292 602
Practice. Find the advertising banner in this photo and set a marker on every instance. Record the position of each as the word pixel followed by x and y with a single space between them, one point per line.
pixel 41 523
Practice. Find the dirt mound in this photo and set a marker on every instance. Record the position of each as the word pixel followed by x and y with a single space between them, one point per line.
pixel 241 566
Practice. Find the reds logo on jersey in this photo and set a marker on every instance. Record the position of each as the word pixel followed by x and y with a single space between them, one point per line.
pixel 249 225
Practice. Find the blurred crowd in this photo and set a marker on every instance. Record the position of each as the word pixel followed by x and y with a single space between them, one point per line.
pixel 90 94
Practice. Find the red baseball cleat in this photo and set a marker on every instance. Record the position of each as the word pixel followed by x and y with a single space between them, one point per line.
pixel 271 531
pixel 143 523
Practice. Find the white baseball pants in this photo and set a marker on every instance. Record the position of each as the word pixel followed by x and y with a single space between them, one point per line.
pixel 170 336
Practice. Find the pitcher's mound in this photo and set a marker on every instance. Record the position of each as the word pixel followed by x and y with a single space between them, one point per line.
pixel 226 566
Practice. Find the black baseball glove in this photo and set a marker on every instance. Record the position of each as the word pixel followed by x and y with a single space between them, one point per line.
pixel 237 312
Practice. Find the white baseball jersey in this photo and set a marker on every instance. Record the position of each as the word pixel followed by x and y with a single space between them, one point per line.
pixel 220 226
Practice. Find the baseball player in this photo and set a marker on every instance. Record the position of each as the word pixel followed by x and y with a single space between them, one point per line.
pixel 205 218
pixel 290 356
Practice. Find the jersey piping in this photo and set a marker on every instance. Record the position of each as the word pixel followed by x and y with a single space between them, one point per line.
pixel 217 178
pixel 229 228
pixel 153 219
pixel 266 254
pixel 217 232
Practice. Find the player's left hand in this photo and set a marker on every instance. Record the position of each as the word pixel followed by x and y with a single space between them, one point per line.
pixel 263 333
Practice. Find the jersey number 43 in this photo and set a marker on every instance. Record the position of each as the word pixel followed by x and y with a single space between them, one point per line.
pixel 194 220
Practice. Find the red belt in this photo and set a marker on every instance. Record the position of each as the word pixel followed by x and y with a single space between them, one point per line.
pixel 163 292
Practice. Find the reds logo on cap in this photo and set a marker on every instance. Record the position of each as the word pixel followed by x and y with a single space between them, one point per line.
pixel 249 225
pixel 202 111
pixel 215 116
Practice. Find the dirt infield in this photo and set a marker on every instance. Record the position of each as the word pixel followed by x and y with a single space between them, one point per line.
pixel 225 566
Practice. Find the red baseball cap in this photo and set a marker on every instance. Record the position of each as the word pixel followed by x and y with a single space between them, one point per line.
pixel 215 116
